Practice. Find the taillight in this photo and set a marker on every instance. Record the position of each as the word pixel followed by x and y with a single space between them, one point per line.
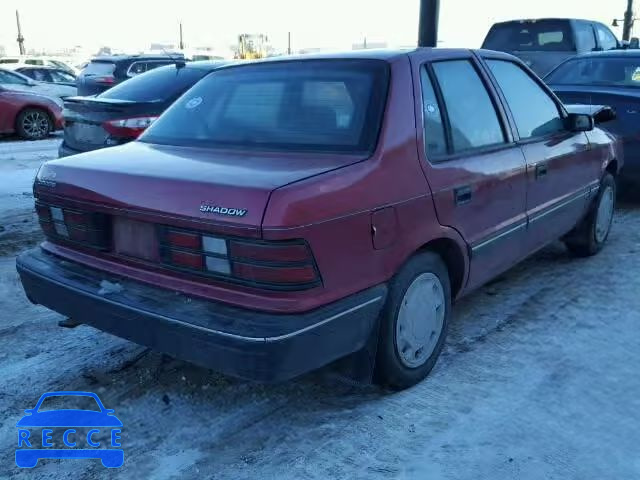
pixel 59 223
pixel 274 265
pixel 128 127
pixel 105 80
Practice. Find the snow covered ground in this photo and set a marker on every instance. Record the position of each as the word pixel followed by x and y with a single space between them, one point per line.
pixel 539 380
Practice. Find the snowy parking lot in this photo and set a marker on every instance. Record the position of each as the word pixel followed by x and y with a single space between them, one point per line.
pixel 539 380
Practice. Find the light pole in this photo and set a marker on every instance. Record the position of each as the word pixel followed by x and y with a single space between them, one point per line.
pixel 20 37
pixel 628 21
pixel 428 25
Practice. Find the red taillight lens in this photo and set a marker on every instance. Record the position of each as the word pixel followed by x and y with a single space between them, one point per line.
pixel 269 252
pixel 58 223
pixel 278 265
pixel 185 259
pixel 275 275
pixel 184 239
pixel 105 80
pixel 128 127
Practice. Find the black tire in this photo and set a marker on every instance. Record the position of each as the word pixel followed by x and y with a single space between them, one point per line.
pixel 390 369
pixel 585 240
pixel 33 124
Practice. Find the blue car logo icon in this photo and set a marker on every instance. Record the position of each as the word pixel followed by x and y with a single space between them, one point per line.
pixel 74 422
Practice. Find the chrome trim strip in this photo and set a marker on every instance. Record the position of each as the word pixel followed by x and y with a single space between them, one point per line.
pixel 498 236
pixel 558 206
pixel 586 192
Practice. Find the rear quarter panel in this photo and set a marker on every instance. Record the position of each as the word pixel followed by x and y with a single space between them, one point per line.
pixel 9 106
pixel 333 212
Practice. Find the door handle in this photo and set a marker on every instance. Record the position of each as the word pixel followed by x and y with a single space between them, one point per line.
pixel 541 170
pixel 462 194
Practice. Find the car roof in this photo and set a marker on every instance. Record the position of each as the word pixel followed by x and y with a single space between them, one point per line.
pixel 125 58
pixel 365 54
pixel 555 19
pixel 39 67
pixel 373 54
pixel 206 64
pixel 609 53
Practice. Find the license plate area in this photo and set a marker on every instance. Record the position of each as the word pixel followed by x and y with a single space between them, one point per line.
pixel 135 239
pixel 88 133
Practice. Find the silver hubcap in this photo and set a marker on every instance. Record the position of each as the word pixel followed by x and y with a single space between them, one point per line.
pixel 605 214
pixel 420 320
pixel 36 124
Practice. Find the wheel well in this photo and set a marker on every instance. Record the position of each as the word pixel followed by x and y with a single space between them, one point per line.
pixel 453 257
pixel 612 168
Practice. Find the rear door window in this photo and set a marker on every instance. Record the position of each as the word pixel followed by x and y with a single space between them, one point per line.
pixel 606 39
pixel 435 141
pixel 159 85
pixel 473 120
pixel 585 36
pixel 598 70
pixel 60 76
pixel 535 113
pixel 537 35
pixel 139 67
pixel 99 68
pixel 320 106
pixel 8 78
pixel 40 75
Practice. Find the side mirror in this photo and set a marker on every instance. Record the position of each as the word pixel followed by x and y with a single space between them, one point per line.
pixel 580 122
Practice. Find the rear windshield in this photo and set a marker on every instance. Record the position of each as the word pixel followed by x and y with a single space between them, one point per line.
pixel 622 72
pixel 8 60
pixel 99 68
pixel 312 105
pixel 540 35
pixel 157 85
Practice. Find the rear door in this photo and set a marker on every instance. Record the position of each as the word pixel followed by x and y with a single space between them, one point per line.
pixel 475 170
pixel 561 169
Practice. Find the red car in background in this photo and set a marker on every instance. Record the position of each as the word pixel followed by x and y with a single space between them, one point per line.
pixel 29 115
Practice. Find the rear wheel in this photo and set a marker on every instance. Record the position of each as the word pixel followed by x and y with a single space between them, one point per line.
pixel 590 236
pixel 33 124
pixel 414 322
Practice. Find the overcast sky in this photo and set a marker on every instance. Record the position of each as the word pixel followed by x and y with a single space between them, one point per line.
pixel 134 24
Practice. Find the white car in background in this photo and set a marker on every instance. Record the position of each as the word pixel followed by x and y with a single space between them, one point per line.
pixel 11 63
pixel 16 81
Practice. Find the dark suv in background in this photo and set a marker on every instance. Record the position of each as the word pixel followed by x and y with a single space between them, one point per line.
pixel 544 43
pixel 102 73
pixel 122 113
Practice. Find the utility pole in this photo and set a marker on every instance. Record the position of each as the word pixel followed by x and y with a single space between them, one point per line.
pixel 428 26
pixel 20 37
pixel 181 42
pixel 628 21
pixel 288 43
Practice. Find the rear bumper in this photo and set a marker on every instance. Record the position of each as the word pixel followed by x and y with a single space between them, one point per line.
pixel 64 150
pixel 243 343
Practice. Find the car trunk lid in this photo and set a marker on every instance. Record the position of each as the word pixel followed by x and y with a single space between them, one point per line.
pixel 221 190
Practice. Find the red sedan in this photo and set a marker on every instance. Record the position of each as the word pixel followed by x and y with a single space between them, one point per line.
pixel 29 115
